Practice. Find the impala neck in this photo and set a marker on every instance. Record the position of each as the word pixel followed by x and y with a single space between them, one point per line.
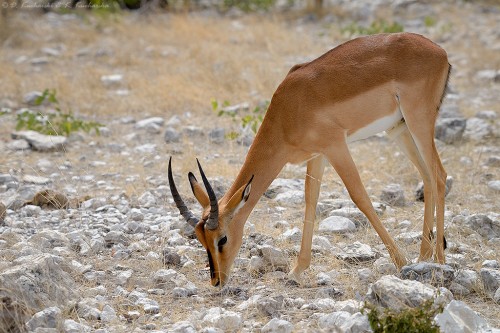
pixel 264 161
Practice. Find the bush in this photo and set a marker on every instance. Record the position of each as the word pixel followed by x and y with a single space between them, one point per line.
pixel 55 122
pixel 245 117
pixel 412 320
pixel 376 27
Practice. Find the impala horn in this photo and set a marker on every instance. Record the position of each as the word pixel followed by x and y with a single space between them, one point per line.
pixel 213 218
pixel 185 212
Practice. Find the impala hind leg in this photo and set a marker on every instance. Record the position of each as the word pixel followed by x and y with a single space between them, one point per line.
pixel 315 169
pixel 340 158
pixel 423 137
pixel 403 138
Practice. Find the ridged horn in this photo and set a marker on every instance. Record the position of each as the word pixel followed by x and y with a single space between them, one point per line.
pixel 213 217
pixel 185 212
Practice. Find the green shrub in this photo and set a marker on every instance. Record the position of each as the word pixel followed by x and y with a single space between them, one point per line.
pixel 249 5
pixel 430 21
pixel 376 27
pixel 411 320
pixel 55 122
pixel 246 118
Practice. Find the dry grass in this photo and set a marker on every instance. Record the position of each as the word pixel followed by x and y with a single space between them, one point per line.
pixel 173 64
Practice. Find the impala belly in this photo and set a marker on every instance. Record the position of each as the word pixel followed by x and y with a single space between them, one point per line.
pixel 377 126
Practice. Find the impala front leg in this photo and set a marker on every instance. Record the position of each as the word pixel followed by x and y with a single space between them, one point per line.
pixel 315 169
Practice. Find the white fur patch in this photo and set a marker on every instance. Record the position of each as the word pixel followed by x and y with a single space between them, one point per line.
pixel 377 126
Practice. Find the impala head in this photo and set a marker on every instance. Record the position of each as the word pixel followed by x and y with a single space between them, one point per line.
pixel 217 229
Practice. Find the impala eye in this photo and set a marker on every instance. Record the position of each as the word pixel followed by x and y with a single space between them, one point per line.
pixel 222 241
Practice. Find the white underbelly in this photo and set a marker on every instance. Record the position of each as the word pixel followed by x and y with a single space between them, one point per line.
pixel 377 126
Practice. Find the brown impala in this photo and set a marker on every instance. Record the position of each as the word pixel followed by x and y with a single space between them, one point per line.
pixel 388 82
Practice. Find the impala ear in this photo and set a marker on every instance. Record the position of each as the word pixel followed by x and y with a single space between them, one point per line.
pixel 198 191
pixel 240 197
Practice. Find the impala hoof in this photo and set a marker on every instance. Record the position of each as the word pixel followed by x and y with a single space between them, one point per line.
pixel 294 279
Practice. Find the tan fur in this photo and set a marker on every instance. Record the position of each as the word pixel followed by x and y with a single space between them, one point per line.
pixel 313 111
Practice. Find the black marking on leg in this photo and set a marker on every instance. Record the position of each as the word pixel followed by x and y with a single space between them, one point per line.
pixel 445 245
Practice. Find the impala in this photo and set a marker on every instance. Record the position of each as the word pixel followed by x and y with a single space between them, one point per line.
pixel 387 82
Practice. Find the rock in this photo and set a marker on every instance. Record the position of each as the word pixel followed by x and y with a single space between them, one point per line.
pixel 321 244
pixel 490 264
pixel 227 321
pixel 108 314
pixel 87 308
pixel 487 114
pixel 112 80
pixel 193 131
pixel 71 326
pixel 237 108
pixel 276 325
pixel 183 327
pixel 116 237
pixel 477 129
pixel 169 279
pixel 353 214
pixel 419 192
pixel 39 61
pixel 450 130
pixel 393 194
pixel 41 142
pixel 427 272
pixel 487 75
pixel 494 185
pixel 493 161
pixel 47 318
pixel 467 278
pixel 171 135
pixel 491 280
pixel 292 197
pixel 396 294
pixel 256 264
pixel 37 180
pixel 384 266
pixel 449 111
pixel 483 225
pixel 170 257
pixel 122 278
pixel 357 252
pixel 147 200
pixel 457 317
pixel 136 214
pixel 292 235
pixel 152 124
pixel 217 135
pixel 282 185
pixel 458 290
pixel 40 281
pixel 411 237
pixel 274 256
pixel 496 297
pixel 342 321
pixel 18 145
pixel 365 274
pixel 32 97
pixel 270 306
pixel 149 306
pixel 48 239
pixel 148 148
pixel 337 224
